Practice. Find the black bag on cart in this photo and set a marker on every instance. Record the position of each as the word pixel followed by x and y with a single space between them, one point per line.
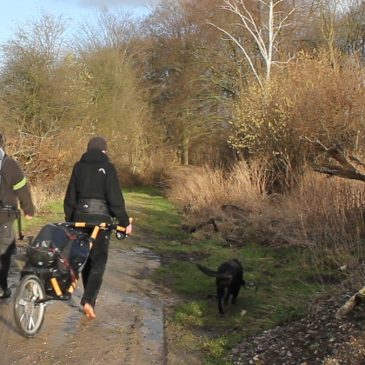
pixel 52 239
pixel 57 251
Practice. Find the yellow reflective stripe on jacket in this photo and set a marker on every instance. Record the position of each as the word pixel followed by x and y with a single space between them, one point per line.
pixel 20 184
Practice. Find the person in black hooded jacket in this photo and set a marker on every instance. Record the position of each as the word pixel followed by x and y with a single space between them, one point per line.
pixel 94 195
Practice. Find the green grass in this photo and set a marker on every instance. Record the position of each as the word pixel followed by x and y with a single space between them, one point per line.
pixel 52 212
pixel 153 213
pixel 282 294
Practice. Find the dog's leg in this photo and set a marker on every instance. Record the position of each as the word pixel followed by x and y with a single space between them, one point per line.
pixel 234 299
pixel 226 297
pixel 220 296
pixel 235 292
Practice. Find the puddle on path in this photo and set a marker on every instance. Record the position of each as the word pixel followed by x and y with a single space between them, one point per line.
pixel 129 323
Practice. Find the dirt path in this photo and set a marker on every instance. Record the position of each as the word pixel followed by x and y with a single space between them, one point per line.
pixel 128 330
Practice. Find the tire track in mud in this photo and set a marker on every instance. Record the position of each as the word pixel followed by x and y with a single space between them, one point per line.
pixel 128 330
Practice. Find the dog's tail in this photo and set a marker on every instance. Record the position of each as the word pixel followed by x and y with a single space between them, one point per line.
pixel 207 271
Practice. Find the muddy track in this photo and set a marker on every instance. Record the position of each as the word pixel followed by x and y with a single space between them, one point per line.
pixel 128 330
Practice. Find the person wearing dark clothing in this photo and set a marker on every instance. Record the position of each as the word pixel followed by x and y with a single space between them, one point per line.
pixel 94 195
pixel 13 190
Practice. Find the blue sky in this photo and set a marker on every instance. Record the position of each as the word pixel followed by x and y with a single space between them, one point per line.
pixel 17 12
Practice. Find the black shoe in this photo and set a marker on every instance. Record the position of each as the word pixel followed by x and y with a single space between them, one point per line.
pixel 6 294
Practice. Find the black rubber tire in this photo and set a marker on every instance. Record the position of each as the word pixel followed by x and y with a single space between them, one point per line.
pixel 29 316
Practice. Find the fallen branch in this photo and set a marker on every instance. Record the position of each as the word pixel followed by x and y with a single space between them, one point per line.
pixel 339 172
pixel 235 208
pixel 192 229
pixel 351 303
pixel 345 169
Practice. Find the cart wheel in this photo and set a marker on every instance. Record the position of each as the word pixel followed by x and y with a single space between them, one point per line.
pixel 29 314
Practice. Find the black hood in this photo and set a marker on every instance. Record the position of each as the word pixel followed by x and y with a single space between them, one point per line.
pixel 94 155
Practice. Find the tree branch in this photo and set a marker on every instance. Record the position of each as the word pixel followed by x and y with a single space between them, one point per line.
pixel 264 32
pixel 239 45
pixel 346 170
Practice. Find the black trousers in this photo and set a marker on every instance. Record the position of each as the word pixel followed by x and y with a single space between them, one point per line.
pixel 7 247
pixel 93 271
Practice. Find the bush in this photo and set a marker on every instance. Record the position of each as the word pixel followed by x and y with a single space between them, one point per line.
pixel 309 98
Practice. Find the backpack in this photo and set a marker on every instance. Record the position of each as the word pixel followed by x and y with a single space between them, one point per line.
pixel 2 160
pixel 8 213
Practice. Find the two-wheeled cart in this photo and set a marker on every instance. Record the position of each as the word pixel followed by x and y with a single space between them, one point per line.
pixel 54 259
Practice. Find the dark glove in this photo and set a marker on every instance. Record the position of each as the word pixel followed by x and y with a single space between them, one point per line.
pixel 120 235
pixel 128 230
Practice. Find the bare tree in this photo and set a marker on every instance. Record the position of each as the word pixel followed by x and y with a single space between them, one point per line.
pixel 29 91
pixel 186 62
pixel 264 28
pixel 111 30
pixel 328 11
pixel 351 34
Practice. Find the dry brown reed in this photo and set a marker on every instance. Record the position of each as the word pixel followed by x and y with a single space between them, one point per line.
pixel 330 211
pixel 206 192
pixel 322 213
pixel 44 194
pixel 203 190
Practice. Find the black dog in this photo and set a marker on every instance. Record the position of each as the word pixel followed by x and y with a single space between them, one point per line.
pixel 229 279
